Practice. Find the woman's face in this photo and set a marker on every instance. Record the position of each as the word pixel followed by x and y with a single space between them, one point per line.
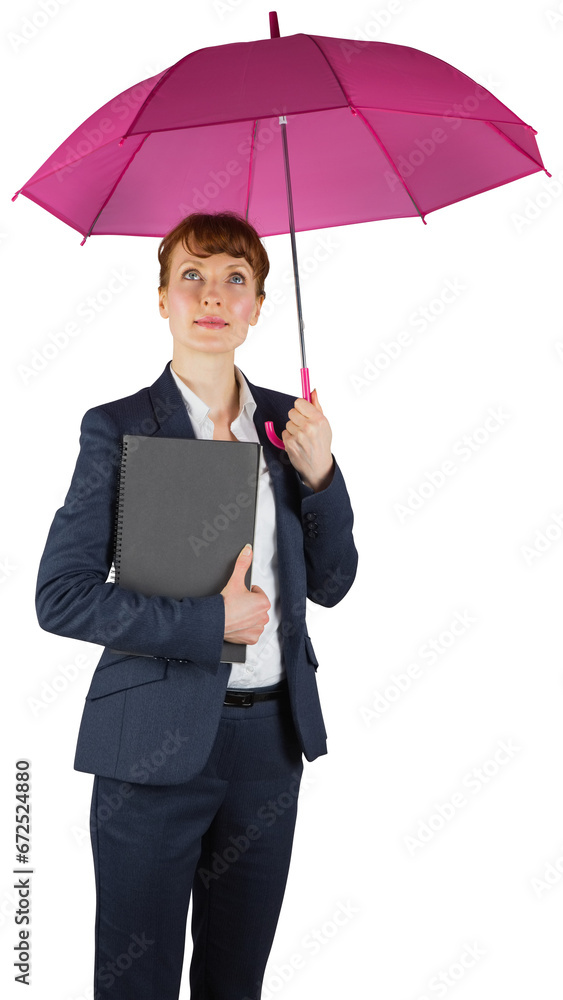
pixel 219 285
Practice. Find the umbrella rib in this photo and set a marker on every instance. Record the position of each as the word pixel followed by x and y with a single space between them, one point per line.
pixel 376 137
pixel 519 148
pixel 156 87
pixel 378 140
pixel 250 168
pixel 65 166
pixel 126 167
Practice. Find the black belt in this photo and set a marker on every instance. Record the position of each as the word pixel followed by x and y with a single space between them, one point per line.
pixel 245 699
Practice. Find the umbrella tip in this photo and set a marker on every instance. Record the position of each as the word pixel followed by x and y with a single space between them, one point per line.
pixel 274 26
pixel 83 241
pixel 16 194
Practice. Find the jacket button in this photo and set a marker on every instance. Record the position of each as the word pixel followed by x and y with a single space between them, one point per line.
pixel 310 517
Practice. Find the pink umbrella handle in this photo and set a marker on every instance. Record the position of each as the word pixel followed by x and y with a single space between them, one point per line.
pixel 305 388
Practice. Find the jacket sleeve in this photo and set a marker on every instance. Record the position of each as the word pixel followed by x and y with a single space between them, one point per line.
pixel 72 596
pixel 331 556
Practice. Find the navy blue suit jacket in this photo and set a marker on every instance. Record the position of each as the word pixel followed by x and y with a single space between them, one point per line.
pixel 154 717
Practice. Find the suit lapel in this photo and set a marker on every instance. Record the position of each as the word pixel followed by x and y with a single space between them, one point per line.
pixel 170 411
pixel 173 420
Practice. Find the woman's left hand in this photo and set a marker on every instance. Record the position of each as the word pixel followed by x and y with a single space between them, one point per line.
pixel 307 437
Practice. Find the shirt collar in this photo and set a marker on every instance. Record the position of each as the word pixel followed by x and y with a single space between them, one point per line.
pixel 198 410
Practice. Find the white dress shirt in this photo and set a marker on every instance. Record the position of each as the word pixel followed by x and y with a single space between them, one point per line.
pixel 264 659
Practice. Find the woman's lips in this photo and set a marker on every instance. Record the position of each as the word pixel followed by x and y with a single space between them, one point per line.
pixel 213 323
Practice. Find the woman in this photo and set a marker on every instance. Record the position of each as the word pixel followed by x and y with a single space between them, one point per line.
pixel 197 763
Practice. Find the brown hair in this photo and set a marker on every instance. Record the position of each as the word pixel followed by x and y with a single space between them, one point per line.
pixel 221 232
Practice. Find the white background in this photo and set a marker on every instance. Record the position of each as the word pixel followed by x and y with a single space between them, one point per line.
pixel 477 880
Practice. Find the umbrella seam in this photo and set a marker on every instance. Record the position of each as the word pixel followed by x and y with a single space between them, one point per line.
pixel 516 146
pixel 67 165
pixel 250 169
pixel 150 95
pixel 126 167
pixel 335 107
pixel 473 194
pixel 330 66
pixel 401 178
pixel 52 211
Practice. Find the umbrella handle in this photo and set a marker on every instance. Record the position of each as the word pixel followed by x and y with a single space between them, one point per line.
pixel 306 390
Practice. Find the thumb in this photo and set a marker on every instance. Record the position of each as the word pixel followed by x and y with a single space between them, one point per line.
pixel 315 401
pixel 244 559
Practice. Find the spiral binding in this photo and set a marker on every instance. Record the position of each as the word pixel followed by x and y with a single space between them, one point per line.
pixel 118 525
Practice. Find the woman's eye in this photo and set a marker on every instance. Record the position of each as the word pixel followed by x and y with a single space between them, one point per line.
pixel 235 275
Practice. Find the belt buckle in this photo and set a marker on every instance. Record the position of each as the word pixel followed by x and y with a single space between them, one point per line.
pixel 242 699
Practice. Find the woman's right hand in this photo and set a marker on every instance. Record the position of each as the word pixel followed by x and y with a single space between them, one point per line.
pixel 246 611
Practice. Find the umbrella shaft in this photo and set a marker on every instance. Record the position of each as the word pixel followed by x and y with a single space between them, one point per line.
pixel 282 122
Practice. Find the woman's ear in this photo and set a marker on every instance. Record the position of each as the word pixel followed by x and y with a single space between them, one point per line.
pixel 258 306
pixel 162 303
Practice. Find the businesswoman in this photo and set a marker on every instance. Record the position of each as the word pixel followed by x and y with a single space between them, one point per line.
pixel 198 763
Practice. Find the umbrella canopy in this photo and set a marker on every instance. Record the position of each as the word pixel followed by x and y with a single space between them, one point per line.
pixel 375 131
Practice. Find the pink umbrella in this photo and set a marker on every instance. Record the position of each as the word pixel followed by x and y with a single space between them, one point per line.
pixel 377 131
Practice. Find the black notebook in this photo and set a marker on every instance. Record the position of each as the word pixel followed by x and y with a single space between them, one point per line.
pixel 186 507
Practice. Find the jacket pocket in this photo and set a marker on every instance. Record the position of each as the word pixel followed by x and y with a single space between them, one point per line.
pixel 125 672
pixel 310 651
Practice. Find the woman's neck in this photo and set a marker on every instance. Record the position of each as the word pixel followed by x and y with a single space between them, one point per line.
pixel 214 381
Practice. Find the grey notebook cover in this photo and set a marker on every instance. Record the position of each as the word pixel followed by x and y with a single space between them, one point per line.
pixel 186 507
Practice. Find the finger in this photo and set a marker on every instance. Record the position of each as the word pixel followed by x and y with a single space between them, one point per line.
pixel 304 406
pixel 291 429
pixel 315 401
pixel 296 418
